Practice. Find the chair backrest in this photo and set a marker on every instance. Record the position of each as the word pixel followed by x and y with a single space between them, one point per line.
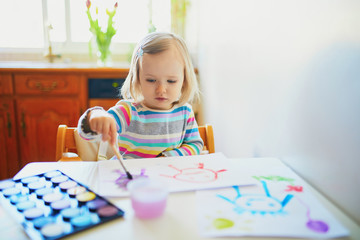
pixel 207 135
pixel 65 142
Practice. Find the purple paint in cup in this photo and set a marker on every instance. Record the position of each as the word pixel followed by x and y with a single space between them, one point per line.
pixel 148 197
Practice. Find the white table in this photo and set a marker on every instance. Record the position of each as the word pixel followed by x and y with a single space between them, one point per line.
pixel 178 222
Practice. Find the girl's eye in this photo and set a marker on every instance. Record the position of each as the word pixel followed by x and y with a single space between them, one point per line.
pixel 171 81
pixel 150 80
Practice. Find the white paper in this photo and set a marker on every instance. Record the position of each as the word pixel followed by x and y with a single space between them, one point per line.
pixel 186 173
pixel 279 206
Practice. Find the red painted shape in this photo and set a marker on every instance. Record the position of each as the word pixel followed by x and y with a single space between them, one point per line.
pixel 291 188
pixel 196 174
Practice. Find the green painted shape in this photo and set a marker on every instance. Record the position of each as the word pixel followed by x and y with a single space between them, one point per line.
pixel 222 223
pixel 274 178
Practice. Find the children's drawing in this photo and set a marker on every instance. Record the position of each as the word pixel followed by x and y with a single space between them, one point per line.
pixel 279 206
pixel 197 174
pixel 186 173
pixel 258 203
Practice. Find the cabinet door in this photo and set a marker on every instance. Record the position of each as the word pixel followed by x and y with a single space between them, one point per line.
pixel 9 161
pixel 38 120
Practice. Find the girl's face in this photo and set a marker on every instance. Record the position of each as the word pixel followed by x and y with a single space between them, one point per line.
pixel 161 78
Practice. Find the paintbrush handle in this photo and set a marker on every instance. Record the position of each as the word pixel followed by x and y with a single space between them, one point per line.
pixel 116 151
pixel 118 155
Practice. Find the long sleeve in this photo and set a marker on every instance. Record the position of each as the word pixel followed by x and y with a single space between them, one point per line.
pixel 84 128
pixel 192 143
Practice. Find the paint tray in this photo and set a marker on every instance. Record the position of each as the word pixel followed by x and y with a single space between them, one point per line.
pixel 52 205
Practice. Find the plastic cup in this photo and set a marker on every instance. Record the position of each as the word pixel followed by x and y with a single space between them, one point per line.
pixel 148 197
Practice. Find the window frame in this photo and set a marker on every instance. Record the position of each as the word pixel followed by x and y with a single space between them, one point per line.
pixel 70 49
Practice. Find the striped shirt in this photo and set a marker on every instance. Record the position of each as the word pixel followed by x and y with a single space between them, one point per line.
pixel 148 133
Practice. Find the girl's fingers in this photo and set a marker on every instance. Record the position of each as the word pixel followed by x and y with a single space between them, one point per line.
pixel 104 124
pixel 99 129
pixel 105 130
pixel 95 126
pixel 112 133
pixel 99 120
pixel 105 137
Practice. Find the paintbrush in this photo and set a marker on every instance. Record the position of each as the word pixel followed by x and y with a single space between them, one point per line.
pixel 119 157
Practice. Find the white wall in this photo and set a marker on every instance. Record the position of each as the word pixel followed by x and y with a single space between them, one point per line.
pixel 282 78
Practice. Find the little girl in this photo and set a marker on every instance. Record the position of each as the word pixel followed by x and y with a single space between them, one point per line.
pixel 154 119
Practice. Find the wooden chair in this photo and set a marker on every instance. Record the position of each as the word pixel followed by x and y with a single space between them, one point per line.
pixel 66 146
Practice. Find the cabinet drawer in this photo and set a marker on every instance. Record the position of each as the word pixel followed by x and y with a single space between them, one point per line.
pixel 6 87
pixel 47 84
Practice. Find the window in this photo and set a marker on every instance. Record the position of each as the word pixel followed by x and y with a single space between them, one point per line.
pixel 19 19
pixel 30 24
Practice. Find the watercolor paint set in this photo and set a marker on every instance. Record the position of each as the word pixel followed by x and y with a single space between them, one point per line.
pixel 52 205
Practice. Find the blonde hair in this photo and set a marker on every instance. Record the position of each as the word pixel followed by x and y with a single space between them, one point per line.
pixel 155 43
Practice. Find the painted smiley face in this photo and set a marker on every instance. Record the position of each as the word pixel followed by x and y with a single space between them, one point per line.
pixel 197 174
pixel 259 204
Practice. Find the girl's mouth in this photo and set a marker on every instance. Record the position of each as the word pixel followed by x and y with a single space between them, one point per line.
pixel 161 99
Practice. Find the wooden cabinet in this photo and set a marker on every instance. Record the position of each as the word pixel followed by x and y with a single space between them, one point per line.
pixel 32 105
pixel 6 86
pixel 53 84
pixel 105 103
pixel 38 120
pixel 43 101
pixel 9 164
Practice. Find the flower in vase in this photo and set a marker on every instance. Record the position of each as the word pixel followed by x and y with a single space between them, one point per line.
pixel 103 38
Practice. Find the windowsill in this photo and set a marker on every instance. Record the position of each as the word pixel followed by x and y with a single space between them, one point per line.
pixel 65 58
pixel 56 65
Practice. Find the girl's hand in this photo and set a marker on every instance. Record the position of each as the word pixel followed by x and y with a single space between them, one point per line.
pixel 103 123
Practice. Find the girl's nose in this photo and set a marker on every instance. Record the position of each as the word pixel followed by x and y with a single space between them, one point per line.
pixel 161 88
